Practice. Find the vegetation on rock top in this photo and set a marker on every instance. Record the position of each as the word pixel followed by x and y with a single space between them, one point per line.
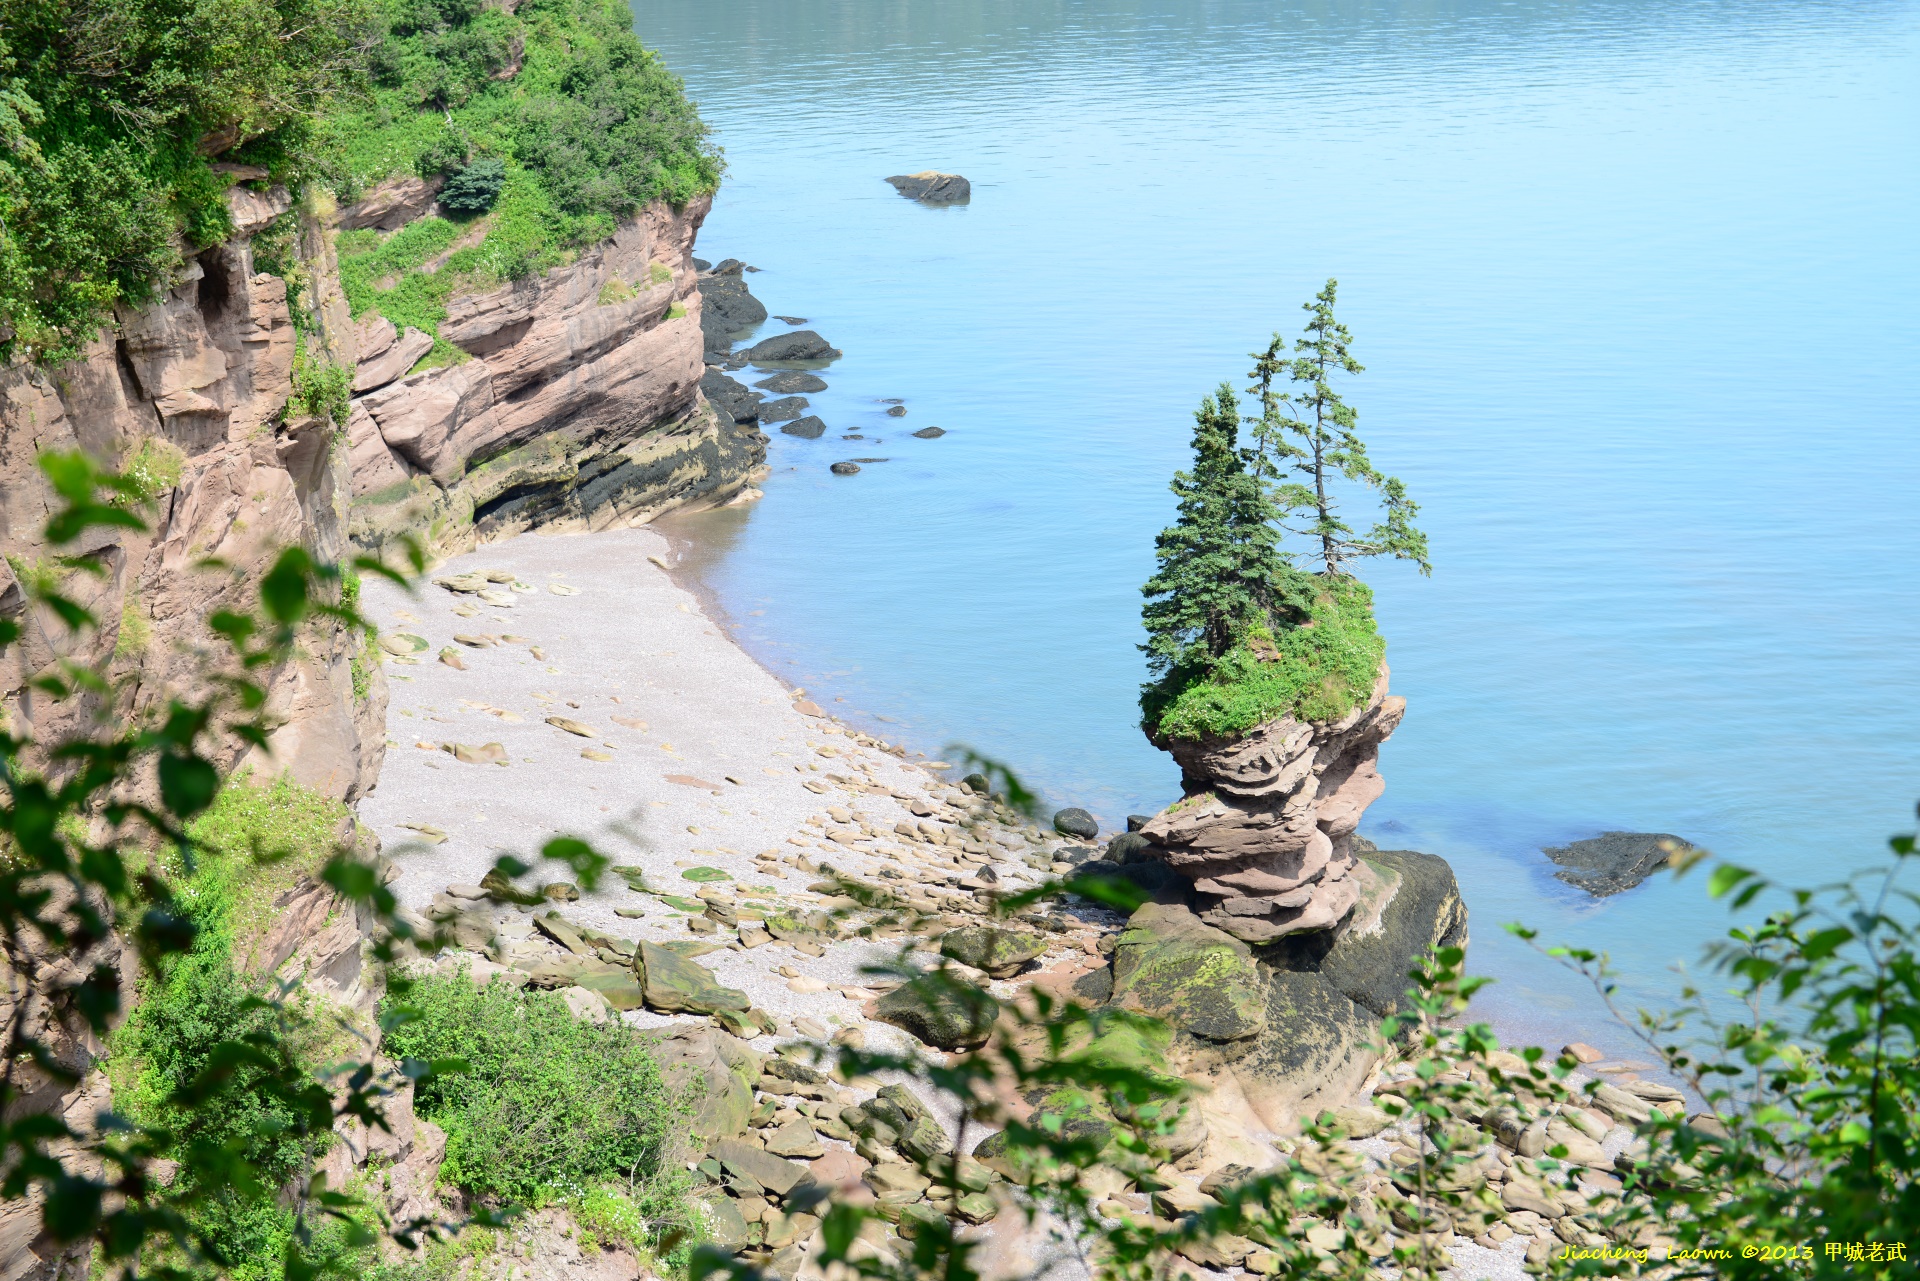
pixel 1237 631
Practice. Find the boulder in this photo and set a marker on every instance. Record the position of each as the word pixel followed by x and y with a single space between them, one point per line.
pixel 776 1174
pixel 931 433
pixel 795 1139
pixel 800 345
pixel 725 1226
pixel 845 469
pixel 1615 862
pixel 716 1072
pixel 941 1011
pixel 673 984
pixel 1001 953
pixel 790 381
pixel 782 410
pixel 808 428
pixel 1075 821
pixel 727 308
pixel 932 187
pixel 1200 980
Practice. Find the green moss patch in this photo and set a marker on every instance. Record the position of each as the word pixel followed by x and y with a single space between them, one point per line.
pixel 1318 670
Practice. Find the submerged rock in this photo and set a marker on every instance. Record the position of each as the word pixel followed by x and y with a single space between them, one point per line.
pixel 1614 862
pixel 931 433
pixel 932 187
pixel 808 428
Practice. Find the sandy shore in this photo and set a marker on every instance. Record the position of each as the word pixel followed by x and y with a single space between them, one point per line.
pixel 708 760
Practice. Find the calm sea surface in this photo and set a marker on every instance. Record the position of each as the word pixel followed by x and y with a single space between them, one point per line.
pixel 1638 290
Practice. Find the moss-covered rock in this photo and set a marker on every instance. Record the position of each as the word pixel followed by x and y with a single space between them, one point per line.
pixel 999 952
pixel 673 984
pixel 941 1011
pixel 1171 965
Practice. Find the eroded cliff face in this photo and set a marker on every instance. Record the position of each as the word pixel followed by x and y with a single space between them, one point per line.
pixel 579 406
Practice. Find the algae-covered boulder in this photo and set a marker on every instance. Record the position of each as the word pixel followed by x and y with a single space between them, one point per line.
pixel 672 984
pixel 941 1011
pixel 1171 965
pixel 1000 952
pixel 715 1072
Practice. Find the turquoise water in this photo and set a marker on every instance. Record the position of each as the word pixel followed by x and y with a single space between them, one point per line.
pixel 1636 288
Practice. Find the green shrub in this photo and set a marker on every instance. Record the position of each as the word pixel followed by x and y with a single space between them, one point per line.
pixel 1319 669
pixel 551 1105
pixel 474 189
pixel 153 466
pixel 320 388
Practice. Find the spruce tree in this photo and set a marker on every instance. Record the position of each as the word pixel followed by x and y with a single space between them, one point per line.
pixel 1219 561
pixel 1309 435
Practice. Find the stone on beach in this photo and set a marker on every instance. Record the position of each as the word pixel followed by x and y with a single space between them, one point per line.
pixel 673 984
pixel 1001 953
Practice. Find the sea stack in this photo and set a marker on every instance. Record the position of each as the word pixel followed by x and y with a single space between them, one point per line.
pixel 1265 831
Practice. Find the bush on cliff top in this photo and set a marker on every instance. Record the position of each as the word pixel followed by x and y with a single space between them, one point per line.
pixel 1317 670
pixel 111 114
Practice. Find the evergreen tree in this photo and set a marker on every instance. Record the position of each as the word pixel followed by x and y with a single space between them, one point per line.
pixel 1309 436
pixel 1219 561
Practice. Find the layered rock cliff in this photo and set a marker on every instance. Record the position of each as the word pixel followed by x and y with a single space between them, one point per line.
pixel 1266 830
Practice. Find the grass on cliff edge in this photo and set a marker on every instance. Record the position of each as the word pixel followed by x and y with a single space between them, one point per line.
pixel 588 124
pixel 1317 670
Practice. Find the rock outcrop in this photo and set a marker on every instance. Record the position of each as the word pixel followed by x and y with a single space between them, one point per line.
pixel 1614 862
pixel 578 405
pixel 932 187
pixel 1265 833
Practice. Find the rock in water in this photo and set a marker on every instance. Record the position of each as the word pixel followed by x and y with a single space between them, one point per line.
pixel 1001 953
pixel 726 307
pixel 730 397
pixel 1266 831
pixel 789 381
pixel 931 433
pixel 845 469
pixel 673 984
pixel 1075 821
pixel 1613 862
pixel 931 187
pixel 808 428
pixel 800 345
pixel 783 409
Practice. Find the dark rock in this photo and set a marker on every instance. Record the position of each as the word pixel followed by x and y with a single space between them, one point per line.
pixel 726 307
pixel 1137 821
pixel 1075 855
pixel 808 428
pixel 1095 986
pixel 931 433
pixel 1329 989
pixel 940 1011
pixel 898 411
pixel 701 264
pixel 845 469
pixel 1614 862
pixel 1152 879
pixel 933 188
pixel 730 397
pixel 977 783
pixel 1001 953
pixel 1075 821
pixel 788 381
pixel 783 409
pixel 1128 847
pixel 791 320
pixel 800 345
pixel 868 460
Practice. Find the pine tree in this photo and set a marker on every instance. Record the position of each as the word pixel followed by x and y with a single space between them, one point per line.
pixel 1310 435
pixel 1219 561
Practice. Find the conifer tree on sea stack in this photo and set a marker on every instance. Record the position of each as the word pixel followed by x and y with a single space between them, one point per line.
pixel 1304 439
pixel 1219 562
